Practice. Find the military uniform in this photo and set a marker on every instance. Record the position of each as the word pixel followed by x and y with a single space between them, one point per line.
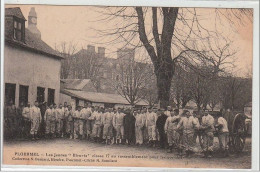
pixel 188 126
pixel 151 118
pixel 86 113
pixel 53 121
pixel 96 116
pixel 108 125
pixel 35 119
pixel 119 125
pixel 139 124
pixel 207 125
pixel 26 121
pixel 171 129
pixel 223 133
pixel 60 119
pixel 48 119
pixel 76 116
pixel 69 123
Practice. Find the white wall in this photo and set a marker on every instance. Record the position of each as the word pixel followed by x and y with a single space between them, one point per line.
pixel 23 67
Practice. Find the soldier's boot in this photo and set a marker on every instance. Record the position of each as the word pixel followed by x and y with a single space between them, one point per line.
pixel 33 137
pixel 37 136
pixel 169 149
pixel 210 154
pixel 117 141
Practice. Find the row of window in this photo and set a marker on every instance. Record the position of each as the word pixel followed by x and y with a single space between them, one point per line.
pixel 10 90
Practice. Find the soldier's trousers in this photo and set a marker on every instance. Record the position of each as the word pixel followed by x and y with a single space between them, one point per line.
pixel 188 140
pixel 208 141
pixel 139 135
pixel 107 131
pixel 35 127
pixel 151 133
pixel 76 128
pixel 69 127
pixel 96 132
pixel 120 132
pixel 60 126
pixel 81 126
pixel 87 127
pixel 173 137
pixel 48 126
pixel 223 140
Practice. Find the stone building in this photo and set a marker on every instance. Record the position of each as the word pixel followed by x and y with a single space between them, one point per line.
pixel 31 67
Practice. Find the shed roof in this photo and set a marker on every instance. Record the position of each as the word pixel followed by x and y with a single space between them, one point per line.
pixel 100 97
pixel 75 84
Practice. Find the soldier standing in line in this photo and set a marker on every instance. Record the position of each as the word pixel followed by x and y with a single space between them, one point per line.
pixel 171 130
pixel 129 127
pixel 66 111
pixel 145 129
pixel 222 130
pixel 48 119
pixel 139 124
pixel 19 118
pixel 83 117
pixel 207 126
pixel 151 119
pixel 108 126
pixel 69 121
pixel 160 123
pixel 53 121
pixel 196 131
pixel 10 120
pixel 60 118
pixel 188 124
pixel 119 126
pixel 35 119
pixel 96 117
pixel 76 116
pixel 88 113
pixel 168 111
pixel 113 129
pixel 26 120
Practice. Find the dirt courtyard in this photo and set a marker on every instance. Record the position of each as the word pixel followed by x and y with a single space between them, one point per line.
pixel 67 152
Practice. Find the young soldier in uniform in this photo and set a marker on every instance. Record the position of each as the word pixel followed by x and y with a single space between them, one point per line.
pixel 207 126
pixel 108 126
pixel 171 129
pixel 76 116
pixel 66 112
pixel 96 117
pixel 222 129
pixel 151 118
pixel 69 121
pixel 35 119
pixel 10 120
pixel 60 119
pixel 196 131
pixel 26 120
pixel 53 121
pixel 139 124
pixel 119 125
pixel 48 119
pixel 188 124
pixel 88 112
pixel 129 127
pixel 160 123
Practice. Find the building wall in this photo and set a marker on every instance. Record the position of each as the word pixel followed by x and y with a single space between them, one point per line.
pixel 22 67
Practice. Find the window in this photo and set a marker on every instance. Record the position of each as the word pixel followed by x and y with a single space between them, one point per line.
pixel 40 94
pixel 18 29
pixel 23 94
pixel 10 93
pixel 51 96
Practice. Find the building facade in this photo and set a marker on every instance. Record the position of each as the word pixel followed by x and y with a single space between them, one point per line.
pixel 31 67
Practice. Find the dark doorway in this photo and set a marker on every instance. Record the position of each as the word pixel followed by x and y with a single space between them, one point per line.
pixel 51 96
pixel 9 93
pixel 23 94
pixel 40 94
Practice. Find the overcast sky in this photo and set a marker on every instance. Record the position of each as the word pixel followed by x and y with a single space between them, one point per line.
pixel 73 24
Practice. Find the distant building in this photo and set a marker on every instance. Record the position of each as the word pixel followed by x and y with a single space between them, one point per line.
pixel 31 67
pixel 77 92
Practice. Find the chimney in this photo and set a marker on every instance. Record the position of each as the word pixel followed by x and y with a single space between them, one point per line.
pixel 32 23
pixel 101 52
pixel 91 49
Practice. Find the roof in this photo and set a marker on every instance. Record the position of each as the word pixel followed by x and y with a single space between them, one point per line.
pixel 32 42
pixel 100 97
pixel 14 12
pixel 75 84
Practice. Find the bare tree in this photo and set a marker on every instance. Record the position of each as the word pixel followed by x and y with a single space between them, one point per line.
pixel 166 33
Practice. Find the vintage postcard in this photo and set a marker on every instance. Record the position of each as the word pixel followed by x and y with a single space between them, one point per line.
pixel 128 86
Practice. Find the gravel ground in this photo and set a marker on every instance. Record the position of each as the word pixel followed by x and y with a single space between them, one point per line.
pixel 66 152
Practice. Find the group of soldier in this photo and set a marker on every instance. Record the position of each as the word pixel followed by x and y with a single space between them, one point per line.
pixel 145 126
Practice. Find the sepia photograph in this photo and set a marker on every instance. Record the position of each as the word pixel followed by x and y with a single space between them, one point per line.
pixel 127 86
